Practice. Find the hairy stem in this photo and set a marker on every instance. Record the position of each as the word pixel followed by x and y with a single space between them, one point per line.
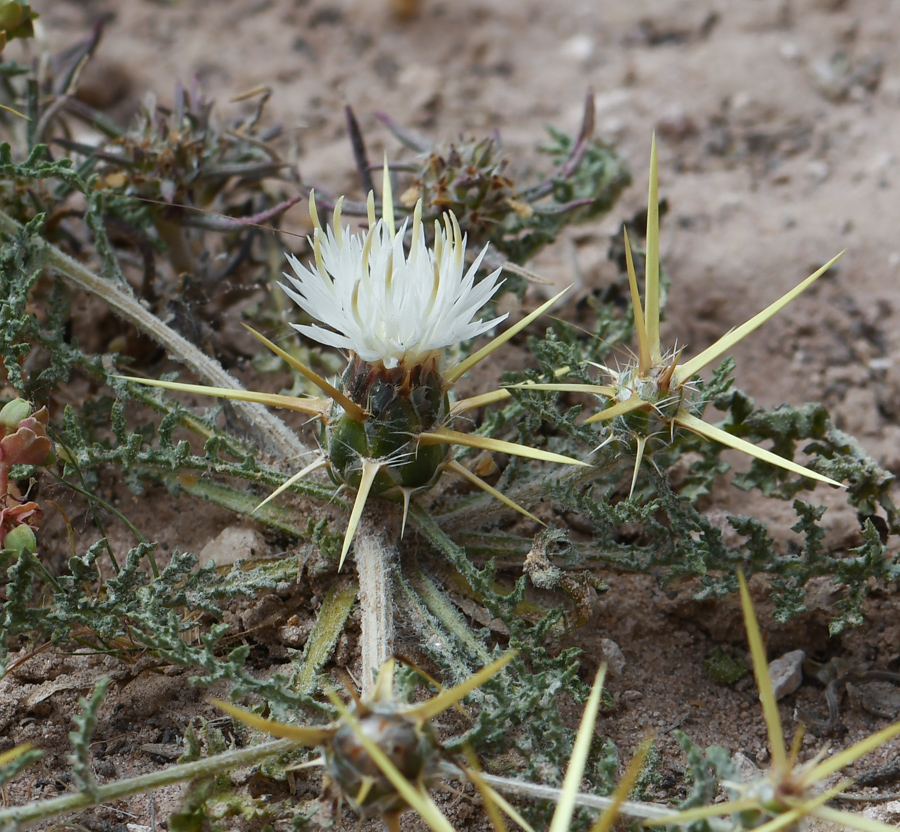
pixel 374 561
pixel 594 801
pixel 18 816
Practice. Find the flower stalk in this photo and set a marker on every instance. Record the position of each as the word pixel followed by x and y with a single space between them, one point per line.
pixel 375 559
pixel 16 817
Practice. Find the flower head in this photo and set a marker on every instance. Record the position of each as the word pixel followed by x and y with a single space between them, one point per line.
pixel 386 304
pixel 386 424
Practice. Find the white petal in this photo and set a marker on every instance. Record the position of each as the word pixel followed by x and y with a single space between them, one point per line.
pixel 384 304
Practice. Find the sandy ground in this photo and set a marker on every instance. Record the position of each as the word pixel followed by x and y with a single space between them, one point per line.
pixel 777 125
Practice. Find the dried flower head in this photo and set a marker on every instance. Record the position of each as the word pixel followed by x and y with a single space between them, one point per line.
pixel 472 178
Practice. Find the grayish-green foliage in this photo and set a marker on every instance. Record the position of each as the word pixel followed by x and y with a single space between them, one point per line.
pixel 117 604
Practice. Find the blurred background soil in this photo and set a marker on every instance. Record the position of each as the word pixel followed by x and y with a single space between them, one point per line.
pixel 777 123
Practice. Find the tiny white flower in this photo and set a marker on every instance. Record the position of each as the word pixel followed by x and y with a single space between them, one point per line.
pixel 384 303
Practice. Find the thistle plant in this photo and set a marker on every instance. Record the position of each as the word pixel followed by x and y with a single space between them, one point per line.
pixel 652 396
pixel 399 298
pixel 387 424
pixel 790 791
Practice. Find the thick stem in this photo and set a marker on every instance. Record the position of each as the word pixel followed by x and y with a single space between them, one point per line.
pixel 272 433
pixel 374 561
pixel 19 816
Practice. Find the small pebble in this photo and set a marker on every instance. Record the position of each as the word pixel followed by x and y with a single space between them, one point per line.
pixel 612 654
pixel 747 768
pixel 103 84
pixel 787 673
pixel 233 544
pixel 674 123
pixel 578 48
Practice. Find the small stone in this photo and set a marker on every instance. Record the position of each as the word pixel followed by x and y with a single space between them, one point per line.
pixel 818 171
pixel 405 9
pixel 888 813
pixel 790 51
pixel 295 632
pixel 233 544
pixel 578 48
pixel 674 123
pixel 168 751
pixel 748 771
pixel 787 673
pixel 612 654
pixel 105 768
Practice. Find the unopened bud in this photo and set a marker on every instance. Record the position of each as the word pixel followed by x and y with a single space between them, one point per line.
pixel 14 412
pixel 21 538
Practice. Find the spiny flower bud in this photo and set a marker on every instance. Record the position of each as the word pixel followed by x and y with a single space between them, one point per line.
pixel 408 743
pixel 377 742
pixel 652 397
pixel 401 403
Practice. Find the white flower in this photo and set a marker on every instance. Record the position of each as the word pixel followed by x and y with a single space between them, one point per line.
pixel 383 303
